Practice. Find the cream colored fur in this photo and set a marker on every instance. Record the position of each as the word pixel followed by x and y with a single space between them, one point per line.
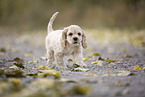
pixel 60 43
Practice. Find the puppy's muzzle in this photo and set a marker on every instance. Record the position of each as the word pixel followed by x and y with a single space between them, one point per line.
pixel 75 39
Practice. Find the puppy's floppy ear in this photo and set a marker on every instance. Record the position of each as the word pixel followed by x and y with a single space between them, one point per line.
pixel 64 37
pixel 84 42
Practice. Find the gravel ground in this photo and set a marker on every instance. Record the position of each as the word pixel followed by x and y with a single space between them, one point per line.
pixel 119 68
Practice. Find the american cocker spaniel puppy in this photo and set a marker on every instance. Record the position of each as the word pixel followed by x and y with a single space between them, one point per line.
pixel 69 41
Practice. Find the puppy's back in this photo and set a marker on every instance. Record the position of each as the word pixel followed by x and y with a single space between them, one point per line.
pixel 53 39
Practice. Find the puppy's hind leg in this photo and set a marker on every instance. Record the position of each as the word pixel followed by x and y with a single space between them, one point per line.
pixel 50 56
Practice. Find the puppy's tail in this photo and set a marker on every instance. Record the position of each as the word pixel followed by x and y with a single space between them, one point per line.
pixel 49 29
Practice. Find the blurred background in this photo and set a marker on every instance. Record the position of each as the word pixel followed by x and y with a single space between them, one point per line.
pixel 113 26
pixel 35 14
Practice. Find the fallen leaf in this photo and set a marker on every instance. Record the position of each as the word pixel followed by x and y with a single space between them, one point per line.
pixel 32 74
pixel 128 56
pixel 50 72
pixel 43 58
pixel 80 69
pixel 101 59
pixel 13 67
pixel 140 69
pixel 117 59
pixel 136 67
pixel 9 86
pixel 43 67
pixel 42 87
pixel 95 54
pixel 110 61
pixel 18 62
pixel 97 63
pixel 14 73
pixel 17 82
pixel 3 50
pixel 70 60
pixel 81 89
pixel 86 59
pixel 125 73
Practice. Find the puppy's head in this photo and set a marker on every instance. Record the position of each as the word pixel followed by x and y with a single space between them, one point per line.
pixel 74 35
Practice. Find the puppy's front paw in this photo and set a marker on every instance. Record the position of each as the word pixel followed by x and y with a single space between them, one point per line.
pixel 49 62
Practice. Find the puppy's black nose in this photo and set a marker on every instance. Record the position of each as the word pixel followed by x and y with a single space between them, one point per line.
pixel 75 38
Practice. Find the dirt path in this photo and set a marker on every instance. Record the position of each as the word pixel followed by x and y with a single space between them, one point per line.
pixel 116 67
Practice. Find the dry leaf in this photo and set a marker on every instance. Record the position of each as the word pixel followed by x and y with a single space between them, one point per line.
pixel 3 50
pixel 50 72
pixel 110 61
pixel 70 60
pixel 140 69
pixel 136 67
pixel 85 59
pixel 18 62
pixel 43 67
pixel 80 69
pixel 124 73
pixel 97 63
pixel 95 54
pixel 128 56
pixel 117 59
pixel 14 73
pixel 81 89
pixel 16 81
pixel 32 74
pixel 101 59
pixel 14 67
pixel 43 58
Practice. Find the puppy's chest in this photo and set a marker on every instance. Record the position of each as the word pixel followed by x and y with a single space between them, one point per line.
pixel 69 51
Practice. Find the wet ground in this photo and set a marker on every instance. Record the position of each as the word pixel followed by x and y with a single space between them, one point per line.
pixel 115 66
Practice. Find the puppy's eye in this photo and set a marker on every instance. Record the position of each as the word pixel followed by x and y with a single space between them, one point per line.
pixel 79 34
pixel 70 34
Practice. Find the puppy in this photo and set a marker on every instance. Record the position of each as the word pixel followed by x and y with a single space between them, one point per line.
pixel 69 41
